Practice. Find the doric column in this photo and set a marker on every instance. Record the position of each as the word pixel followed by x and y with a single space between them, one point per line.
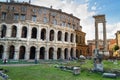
pixel 104 36
pixel 5 52
pixel 46 53
pixel 55 54
pixel 96 36
pixel 27 53
pixel 16 55
pixel 74 53
pixel 37 54
pixel 68 54
pixel 62 54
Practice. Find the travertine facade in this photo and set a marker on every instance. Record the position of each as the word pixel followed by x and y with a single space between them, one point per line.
pixel 34 32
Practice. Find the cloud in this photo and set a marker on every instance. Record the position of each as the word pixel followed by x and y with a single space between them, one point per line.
pixel 81 11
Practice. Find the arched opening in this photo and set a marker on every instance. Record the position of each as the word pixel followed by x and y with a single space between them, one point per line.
pixel 71 53
pixel 66 36
pixel 42 52
pixel 22 52
pixel 77 53
pixel 1 51
pixel 71 38
pixel 59 35
pixel 32 52
pixel 51 52
pixel 11 52
pixel 51 35
pixel 43 34
pixel 59 53
pixel 66 53
pixel 3 31
pixel 34 33
pixel 24 32
pixel 14 31
pixel 81 52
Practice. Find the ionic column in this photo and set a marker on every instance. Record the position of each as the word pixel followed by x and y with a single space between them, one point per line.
pixel 8 32
pixel 29 32
pixel 19 31
pixel 38 33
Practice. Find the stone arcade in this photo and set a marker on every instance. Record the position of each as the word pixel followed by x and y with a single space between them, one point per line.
pixel 33 32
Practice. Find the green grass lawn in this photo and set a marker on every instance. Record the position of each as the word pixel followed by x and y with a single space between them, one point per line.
pixel 49 72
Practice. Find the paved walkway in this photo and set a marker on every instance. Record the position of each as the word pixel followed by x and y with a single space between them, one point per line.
pixel 17 64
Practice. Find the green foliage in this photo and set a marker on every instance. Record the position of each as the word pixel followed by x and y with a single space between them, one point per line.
pixel 116 47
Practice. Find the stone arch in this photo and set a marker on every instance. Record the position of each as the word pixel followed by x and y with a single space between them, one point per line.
pixel 66 53
pixel 51 52
pixel 42 53
pixel 59 36
pixel 43 34
pixel 66 36
pixel 11 52
pixel 24 32
pixel 1 51
pixel 14 31
pixel 71 37
pixel 77 53
pixel 22 52
pixel 72 53
pixel 3 31
pixel 32 52
pixel 59 51
pixel 76 38
pixel 34 33
pixel 51 35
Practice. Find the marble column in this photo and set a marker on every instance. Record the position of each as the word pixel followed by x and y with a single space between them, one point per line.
pixel 27 53
pixel 104 37
pixel 46 53
pixel 96 36
pixel 62 54
pixel 55 54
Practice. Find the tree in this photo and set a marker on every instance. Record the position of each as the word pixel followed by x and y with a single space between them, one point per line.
pixel 116 47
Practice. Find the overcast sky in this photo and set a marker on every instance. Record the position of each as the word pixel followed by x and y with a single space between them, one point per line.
pixel 85 9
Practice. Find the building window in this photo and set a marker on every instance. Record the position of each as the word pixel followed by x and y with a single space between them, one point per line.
pixel 34 18
pixel 16 16
pixel 13 8
pixel 63 24
pixel 8 7
pixel 54 21
pixel 44 11
pixel 45 20
pixel 69 25
pixel 22 17
pixel 40 11
pixel 34 10
pixel 23 9
pixel 3 17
